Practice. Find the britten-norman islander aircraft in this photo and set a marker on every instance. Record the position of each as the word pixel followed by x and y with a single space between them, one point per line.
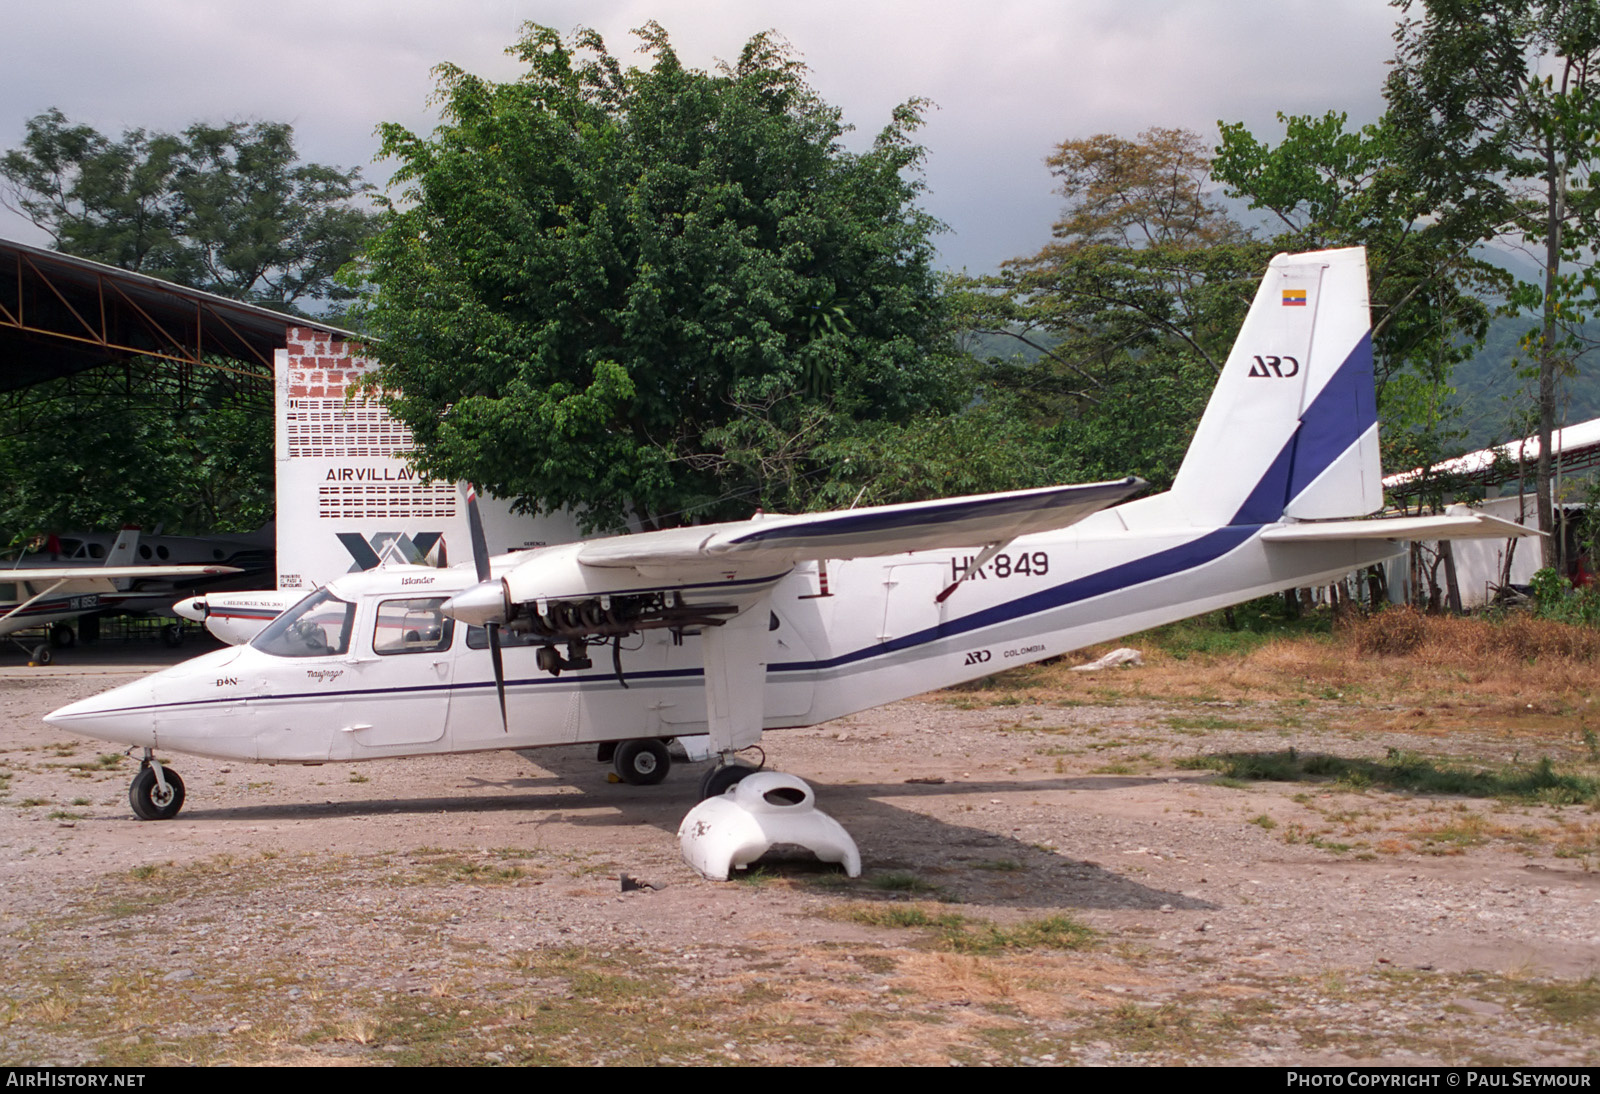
pixel 733 629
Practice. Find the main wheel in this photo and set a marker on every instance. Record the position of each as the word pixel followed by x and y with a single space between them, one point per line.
pixel 42 654
pixel 717 781
pixel 149 801
pixel 62 636
pixel 642 762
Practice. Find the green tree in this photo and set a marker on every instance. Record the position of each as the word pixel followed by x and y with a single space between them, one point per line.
pixel 110 446
pixel 1497 103
pixel 229 209
pixel 1327 185
pixel 611 287
pixel 1130 311
pixel 225 208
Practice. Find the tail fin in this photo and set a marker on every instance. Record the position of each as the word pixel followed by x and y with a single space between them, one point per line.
pixel 1292 427
pixel 124 550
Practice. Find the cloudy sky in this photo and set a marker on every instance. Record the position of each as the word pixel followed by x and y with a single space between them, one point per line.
pixel 1010 78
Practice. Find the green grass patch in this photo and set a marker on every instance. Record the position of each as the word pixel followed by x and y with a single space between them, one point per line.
pixel 901 881
pixel 1255 624
pixel 1398 770
pixel 963 934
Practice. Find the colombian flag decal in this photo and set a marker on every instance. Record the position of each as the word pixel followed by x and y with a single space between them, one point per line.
pixel 1294 298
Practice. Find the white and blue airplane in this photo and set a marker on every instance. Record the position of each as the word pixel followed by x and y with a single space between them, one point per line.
pixel 728 630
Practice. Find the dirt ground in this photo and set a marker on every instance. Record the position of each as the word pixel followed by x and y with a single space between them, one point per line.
pixel 1050 883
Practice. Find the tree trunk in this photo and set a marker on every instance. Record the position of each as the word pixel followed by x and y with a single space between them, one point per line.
pixel 1550 546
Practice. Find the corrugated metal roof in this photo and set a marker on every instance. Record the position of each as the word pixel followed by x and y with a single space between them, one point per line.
pixel 60 314
pixel 1575 445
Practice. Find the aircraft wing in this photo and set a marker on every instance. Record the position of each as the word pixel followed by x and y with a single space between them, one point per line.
pixel 75 574
pixel 1461 523
pixel 857 533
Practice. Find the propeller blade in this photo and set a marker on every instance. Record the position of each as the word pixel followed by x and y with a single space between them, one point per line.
pixel 499 673
pixel 480 545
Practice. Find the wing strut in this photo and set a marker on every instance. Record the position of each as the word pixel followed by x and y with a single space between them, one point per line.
pixel 34 599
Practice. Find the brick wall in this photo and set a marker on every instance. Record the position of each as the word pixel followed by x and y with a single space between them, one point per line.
pixel 322 366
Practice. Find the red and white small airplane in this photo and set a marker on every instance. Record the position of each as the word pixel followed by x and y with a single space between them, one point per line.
pixel 40 594
pixel 730 630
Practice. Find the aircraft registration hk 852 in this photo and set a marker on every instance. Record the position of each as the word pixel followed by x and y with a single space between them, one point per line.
pixel 733 629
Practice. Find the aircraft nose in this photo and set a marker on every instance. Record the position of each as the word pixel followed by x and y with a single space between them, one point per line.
pixel 122 716
pixel 194 608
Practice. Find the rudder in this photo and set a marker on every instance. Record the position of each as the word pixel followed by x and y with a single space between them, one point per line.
pixel 1292 426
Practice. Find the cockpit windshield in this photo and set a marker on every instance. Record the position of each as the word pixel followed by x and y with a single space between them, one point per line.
pixel 318 626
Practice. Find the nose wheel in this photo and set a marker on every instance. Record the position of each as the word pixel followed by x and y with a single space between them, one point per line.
pixel 156 793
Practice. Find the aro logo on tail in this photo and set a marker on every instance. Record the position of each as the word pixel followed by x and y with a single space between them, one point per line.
pixel 1281 367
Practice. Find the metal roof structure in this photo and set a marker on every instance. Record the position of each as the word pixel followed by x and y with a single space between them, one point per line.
pixel 1575 448
pixel 60 315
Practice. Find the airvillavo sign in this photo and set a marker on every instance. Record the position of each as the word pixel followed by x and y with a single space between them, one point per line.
pixel 346 499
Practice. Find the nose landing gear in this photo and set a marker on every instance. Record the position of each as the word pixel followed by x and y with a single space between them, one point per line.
pixel 156 792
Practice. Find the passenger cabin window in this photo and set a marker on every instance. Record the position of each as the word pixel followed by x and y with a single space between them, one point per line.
pixel 8 592
pixel 318 626
pixel 412 626
pixel 97 550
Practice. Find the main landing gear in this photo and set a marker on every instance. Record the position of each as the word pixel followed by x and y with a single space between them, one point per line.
pixel 645 761
pixel 157 792
pixel 642 762
pixel 724 776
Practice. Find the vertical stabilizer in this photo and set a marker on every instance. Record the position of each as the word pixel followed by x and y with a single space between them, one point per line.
pixel 124 551
pixel 1292 427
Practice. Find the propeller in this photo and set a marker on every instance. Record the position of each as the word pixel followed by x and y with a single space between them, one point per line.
pixel 480 559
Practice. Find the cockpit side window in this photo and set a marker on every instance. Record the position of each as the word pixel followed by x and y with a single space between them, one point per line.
pixel 412 626
pixel 318 626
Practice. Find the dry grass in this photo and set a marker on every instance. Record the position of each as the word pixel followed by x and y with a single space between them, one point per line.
pixel 1522 666
pixel 1476 641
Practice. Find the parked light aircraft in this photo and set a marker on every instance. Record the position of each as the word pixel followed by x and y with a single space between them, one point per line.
pixel 35 593
pixel 733 629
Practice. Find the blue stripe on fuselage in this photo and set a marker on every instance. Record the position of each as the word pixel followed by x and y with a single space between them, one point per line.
pixel 1343 410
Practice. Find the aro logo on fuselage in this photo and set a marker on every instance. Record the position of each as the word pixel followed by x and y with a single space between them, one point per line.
pixel 1281 367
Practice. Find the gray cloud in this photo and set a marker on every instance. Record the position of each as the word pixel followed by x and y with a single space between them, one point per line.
pixel 1010 79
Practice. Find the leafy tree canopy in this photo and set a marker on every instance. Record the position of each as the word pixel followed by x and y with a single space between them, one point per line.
pixel 612 288
pixel 1130 311
pixel 229 209
pixel 1497 103
pixel 1328 185
pixel 225 208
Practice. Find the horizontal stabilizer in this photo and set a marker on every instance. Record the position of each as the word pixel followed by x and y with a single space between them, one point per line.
pixel 1457 523
pixel 859 533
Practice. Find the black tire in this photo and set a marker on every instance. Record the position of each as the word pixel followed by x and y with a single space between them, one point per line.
pixel 717 781
pixel 146 798
pixel 42 654
pixel 642 762
pixel 63 637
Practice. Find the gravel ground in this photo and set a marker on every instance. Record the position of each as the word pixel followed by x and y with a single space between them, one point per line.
pixel 469 909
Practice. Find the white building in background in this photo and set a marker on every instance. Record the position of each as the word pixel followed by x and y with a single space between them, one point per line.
pixel 346 498
pixel 1481 564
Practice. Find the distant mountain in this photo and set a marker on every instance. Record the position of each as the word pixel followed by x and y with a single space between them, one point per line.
pixel 1496 401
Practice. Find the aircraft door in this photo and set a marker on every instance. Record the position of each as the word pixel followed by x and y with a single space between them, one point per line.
pixel 398 682
pixel 910 604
